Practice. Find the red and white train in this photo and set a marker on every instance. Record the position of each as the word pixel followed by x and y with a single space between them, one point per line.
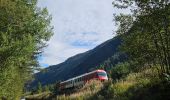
pixel 84 78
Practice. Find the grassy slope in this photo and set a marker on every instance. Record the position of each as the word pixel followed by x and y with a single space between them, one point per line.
pixel 144 85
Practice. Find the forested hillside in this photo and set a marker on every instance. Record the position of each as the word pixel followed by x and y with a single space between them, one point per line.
pixel 80 64
pixel 24 29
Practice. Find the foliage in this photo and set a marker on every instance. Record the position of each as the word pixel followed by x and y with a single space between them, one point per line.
pixel 146 32
pixel 118 66
pixel 24 28
pixel 166 78
pixel 123 89
pixel 111 62
pixel 135 86
pixel 120 70
pixel 88 90
pixel 46 88
pixel 144 85
pixel 39 88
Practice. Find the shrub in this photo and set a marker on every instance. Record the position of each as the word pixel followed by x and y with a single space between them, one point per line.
pixel 120 70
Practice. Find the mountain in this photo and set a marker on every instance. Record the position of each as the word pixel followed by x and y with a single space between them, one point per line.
pixel 78 64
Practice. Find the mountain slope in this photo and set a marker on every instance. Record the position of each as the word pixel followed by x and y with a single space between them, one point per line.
pixel 78 64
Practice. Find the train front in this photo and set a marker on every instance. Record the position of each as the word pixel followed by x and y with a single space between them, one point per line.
pixel 102 75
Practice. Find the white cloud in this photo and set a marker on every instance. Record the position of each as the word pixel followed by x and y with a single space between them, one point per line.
pixel 85 21
pixel 57 52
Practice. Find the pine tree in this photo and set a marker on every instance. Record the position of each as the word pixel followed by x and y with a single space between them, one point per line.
pixel 46 88
pixel 39 88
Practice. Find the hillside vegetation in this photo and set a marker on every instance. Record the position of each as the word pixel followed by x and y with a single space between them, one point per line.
pixel 80 63
pixel 24 30
pixel 138 70
pixel 143 85
pixel 144 73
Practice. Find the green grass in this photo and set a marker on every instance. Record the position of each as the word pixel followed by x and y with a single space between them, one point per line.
pixel 40 96
pixel 87 91
pixel 144 85
pixel 126 88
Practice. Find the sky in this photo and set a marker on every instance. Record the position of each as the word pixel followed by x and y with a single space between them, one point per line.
pixel 79 25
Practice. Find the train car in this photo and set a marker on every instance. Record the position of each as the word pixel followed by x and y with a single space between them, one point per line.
pixel 83 79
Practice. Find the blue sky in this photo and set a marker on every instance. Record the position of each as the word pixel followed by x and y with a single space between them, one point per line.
pixel 79 25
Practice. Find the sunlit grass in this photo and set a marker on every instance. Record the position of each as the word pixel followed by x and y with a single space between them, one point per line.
pixel 88 90
pixel 133 85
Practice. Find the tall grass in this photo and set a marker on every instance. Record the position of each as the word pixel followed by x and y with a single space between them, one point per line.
pixel 143 85
pixel 40 96
pixel 131 87
pixel 88 90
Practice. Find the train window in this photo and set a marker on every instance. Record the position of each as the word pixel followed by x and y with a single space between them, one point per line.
pixel 102 74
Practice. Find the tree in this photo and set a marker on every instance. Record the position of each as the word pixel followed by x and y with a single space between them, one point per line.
pixel 46 88
pixel 39 88
pixel 24 29
pixel 120 70
pixel 146 31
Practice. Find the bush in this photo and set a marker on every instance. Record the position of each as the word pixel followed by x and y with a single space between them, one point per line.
pixel 120 70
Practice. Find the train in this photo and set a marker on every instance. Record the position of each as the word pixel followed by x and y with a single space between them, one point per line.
pixel 83 79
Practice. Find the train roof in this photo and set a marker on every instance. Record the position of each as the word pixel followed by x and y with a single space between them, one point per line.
pixel 98 70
